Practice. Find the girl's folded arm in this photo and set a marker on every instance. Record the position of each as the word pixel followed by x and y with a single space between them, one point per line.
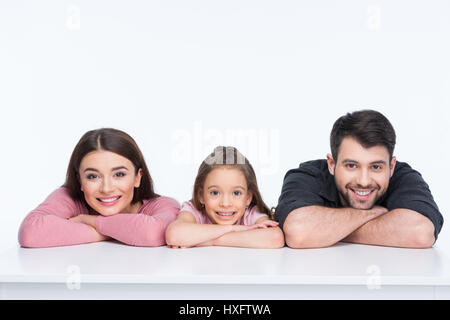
pixel 267 235
pixel 186 232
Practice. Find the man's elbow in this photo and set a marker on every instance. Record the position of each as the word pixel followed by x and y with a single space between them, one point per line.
pixel 423 235
pixel 298 237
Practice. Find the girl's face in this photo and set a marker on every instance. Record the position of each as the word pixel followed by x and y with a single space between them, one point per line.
pixel 225 195
pixel 108 181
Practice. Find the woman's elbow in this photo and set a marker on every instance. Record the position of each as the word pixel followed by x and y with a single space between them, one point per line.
pixel 27 238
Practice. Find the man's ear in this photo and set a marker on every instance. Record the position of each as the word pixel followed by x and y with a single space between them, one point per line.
pixel 331 164
pixel 392 166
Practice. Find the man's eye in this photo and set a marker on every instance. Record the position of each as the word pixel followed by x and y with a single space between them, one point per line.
pixel 351 165
pixel 377 167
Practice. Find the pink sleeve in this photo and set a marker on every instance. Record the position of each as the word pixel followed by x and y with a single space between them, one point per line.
pixel 47 225
pixel 146 229
pixel 253 215
pixel 189 207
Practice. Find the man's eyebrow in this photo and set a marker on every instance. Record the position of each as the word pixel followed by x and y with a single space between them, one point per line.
pixel 113 169
pixel 379 162
pixel 373 162
pixel 349 160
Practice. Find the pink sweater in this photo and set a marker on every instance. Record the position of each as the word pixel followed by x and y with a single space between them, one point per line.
pixel 48 224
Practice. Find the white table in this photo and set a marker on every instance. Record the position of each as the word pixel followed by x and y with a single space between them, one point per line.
pixel 110 270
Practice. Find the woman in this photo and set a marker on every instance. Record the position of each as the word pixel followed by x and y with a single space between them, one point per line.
pixel 108 193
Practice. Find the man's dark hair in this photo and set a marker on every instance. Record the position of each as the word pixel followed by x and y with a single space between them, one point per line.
pixel 369 127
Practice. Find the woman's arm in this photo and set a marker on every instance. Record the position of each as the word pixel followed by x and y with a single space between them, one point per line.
pixel 48 225
pixel 146 229
pixel 186 232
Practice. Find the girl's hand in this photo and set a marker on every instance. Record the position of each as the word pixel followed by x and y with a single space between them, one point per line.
pixel 239 227
pixel 266 224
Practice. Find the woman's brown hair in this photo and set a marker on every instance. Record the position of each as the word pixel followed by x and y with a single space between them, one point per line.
pixel 112 140
pixel 231 157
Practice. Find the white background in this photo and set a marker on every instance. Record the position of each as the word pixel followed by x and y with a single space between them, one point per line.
pixel 181 77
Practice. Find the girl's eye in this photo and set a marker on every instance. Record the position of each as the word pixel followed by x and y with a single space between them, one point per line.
pixel 120 174
pixel 214 193
pixel 91 176
pixel 237 193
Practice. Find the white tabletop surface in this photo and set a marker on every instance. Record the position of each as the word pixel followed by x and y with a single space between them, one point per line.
pixel 342 264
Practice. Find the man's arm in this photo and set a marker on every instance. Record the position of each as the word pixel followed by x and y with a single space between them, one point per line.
pixel 398 228
pixel 317 226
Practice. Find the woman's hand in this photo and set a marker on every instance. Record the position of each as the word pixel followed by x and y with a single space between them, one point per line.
pixel 89 220
pixel 85 218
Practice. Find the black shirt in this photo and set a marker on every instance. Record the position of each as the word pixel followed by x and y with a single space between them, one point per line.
pixel 312 184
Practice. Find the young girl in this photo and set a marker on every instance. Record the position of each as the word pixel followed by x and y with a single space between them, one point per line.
pixel 226 207
pixel 108 193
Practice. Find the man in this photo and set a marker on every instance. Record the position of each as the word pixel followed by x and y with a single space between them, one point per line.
pixel 359 194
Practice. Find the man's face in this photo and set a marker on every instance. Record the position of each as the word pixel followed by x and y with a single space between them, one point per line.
pixel 361 174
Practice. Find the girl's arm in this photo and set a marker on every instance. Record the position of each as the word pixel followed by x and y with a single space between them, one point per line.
pixel 186 232
pixel 267 235
pixel 48 225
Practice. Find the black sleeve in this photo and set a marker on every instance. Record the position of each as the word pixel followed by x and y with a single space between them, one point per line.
pixel 300 189
pixel 410 191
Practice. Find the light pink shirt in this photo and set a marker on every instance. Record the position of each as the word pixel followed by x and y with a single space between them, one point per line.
pixel 249 218
pixel 48 224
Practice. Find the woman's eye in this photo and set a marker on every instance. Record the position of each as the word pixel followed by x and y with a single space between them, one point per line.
pixel 120 174
pixel 91 176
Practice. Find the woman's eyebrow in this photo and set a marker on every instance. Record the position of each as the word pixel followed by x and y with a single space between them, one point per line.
pixel 113 169
pixel 118 168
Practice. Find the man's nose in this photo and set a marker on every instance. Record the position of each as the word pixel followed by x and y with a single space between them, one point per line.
pixel 364 178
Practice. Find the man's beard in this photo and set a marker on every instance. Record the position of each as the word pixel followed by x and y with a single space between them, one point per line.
pixel 348 198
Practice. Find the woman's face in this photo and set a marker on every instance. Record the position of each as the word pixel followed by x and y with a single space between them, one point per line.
pixel 225 195
pixel 108 181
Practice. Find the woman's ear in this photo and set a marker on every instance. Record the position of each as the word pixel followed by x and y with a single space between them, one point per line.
pixel 137 181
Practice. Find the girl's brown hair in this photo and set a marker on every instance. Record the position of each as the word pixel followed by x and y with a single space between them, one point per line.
pixel 231 157
pixel 116 141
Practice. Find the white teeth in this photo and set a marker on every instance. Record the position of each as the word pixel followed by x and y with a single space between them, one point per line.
pixel 109 200
pixel 361 193
pixel 225 213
